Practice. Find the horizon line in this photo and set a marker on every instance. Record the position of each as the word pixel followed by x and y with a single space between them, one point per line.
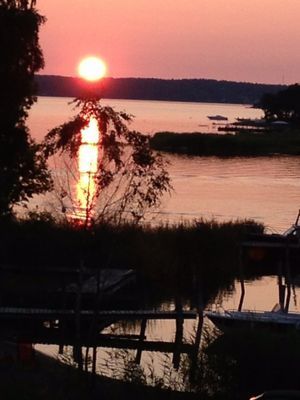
pixel 174 79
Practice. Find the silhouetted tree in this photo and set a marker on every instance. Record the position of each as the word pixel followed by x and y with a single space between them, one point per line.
pixel 18 4
pixel 131 177
pixel 283 106
pixel 23 170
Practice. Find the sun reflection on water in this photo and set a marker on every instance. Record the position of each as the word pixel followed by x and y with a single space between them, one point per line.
pixel 87 167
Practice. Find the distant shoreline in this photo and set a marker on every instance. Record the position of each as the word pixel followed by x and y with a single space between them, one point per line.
pixel 182 90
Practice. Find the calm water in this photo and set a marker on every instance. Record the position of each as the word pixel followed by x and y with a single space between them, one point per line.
pixel 150 116
pixel 264 188
pixel 261 295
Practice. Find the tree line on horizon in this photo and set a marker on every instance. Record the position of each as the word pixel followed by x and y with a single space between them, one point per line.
pixel 283 105
pixel 186 90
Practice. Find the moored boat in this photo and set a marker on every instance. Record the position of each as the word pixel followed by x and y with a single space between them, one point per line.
pixel 217 118
pixel 232 319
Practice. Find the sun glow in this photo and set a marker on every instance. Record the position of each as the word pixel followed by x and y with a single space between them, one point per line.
pixel 92 69
pixel 88 166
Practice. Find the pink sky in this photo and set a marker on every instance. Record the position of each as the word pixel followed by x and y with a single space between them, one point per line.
pixel 242 40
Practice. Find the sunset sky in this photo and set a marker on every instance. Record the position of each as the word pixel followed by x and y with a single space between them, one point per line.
pixel 242 40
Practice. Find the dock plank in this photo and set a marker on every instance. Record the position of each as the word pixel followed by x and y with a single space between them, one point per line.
pixel 118 314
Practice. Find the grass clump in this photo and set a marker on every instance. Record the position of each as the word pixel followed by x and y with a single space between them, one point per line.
pixel 171 257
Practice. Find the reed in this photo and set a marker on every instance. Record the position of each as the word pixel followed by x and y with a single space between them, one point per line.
pixel 170 257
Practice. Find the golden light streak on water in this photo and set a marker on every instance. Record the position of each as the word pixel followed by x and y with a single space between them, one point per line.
pixel 88 158
pixel 90 134
pixel 87 167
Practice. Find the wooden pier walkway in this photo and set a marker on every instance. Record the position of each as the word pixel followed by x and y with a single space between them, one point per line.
pixel 60 329
pixel 53 314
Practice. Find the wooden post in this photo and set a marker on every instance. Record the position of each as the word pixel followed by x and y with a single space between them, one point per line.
pixel 78 347
pixel 241 279
pixel 94 357
pixel 178 334
pixel 62 323
pixel 141 339
pixel 281 288
pixel 288 278
pixel 194 355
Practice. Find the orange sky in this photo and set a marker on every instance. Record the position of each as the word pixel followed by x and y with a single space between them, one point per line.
pixel 243 40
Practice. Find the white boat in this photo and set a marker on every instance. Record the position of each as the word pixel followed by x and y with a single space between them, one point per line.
pixel 275 319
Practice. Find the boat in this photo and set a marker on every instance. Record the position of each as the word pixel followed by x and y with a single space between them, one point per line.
pixel 217 118
pixel 276 319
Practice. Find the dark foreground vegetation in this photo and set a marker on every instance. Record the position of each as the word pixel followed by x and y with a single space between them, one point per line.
pixel 244 363
pixel 45 378
pixel 168 257
pixel 229 145
pixel 231 366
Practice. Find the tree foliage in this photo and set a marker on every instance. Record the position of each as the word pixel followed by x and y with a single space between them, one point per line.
pixel 23 169
pixel 18 4
pixel 282 106
pixel 130 178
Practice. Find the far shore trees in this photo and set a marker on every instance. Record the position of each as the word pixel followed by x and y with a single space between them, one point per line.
pixel 282 106
pixel 23 169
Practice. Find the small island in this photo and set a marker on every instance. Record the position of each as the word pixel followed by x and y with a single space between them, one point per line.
pixel 277 133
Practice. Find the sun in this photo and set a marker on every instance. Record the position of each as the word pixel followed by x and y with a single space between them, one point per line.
pixel 92 69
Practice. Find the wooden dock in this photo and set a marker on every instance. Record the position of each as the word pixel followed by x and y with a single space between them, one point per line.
pixel 58 327
pixel 57 314
pixel 79 305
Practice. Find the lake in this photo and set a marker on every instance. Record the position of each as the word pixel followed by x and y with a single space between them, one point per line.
pixel 263 188
pixel 150 116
